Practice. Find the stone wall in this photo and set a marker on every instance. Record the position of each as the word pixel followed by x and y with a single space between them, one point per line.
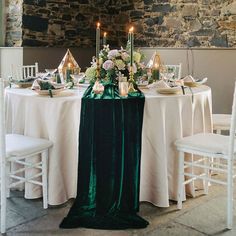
pixel 13 23
pixel 158 23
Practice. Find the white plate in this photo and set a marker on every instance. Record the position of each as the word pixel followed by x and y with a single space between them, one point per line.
pixel 195 83
pixel 85 85
pixel 46 92
pixel 173 90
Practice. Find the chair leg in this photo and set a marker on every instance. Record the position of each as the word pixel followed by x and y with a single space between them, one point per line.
pixel 180 180
pixel 192 182
pixel 8 171
pixel 207 173
pixel 218 131
pixel 230 194
pixel 44 178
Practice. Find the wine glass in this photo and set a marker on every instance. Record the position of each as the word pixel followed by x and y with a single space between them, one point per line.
pixel 51 71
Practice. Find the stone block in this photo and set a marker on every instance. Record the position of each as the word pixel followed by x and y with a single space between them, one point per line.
pixel 122 18
pixel 195 25
pixel 161 8
pixel 66 17
pixel 193 42
pixel 148 2
pixel 190 10
pixel 203 32
pixel 229 9
pixel 173 23
pixel 219 41
pixel 136 14
pixel 35 2
pixel 35 23
pixel 34 43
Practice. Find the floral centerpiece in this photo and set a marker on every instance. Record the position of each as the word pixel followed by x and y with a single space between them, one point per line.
pixel 114 64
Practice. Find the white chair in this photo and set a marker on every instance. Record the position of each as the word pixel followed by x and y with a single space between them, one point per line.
pixel 25 71
pixel 209 145
pixel 221 122
pixel 15 148
pixel 176 69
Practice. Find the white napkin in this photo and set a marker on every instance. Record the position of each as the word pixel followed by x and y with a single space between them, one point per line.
pixel 36 84
pixel 189 78
pixel 159 84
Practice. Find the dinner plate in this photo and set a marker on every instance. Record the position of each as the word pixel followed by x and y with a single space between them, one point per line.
pixel 23 84
pixel 195 83
pixel 47 93
pixel 83 84
pixel 143 86
pixel 173 90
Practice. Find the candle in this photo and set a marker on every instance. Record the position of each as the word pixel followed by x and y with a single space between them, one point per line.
pixel 97 40
pixel 104 38
pixel 123 88
pixel 155 72
pixel 131 33
pixel 68 72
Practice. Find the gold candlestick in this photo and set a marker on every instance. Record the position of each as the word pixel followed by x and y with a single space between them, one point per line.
pixel 131 81
pixel 97 69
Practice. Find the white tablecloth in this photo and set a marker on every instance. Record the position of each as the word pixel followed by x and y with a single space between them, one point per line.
pixel 166 118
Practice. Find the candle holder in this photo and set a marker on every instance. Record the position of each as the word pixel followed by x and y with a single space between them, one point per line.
pixel 97 69
pixel 131 81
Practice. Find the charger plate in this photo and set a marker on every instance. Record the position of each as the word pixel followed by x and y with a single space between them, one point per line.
pixel 195 83
pixel 174 90
pixel 46 92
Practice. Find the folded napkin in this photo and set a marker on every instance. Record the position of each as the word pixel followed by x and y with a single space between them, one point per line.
pixel 189 78
pixel 159 84
pixel 40 84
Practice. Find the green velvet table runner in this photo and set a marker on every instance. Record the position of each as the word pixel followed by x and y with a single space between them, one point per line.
pixel 109 162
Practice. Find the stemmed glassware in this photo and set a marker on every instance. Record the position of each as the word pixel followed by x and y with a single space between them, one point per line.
pixel 51 71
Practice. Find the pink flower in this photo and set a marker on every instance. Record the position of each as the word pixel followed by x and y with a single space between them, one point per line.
pixel 113 54
pixel 125 56
pixel 108 65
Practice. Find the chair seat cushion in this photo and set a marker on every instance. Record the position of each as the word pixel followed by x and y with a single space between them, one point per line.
pixel 221 121
pixel 205 142
pixel 20 145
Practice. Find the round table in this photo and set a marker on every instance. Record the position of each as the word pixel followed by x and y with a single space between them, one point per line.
pixel 166 118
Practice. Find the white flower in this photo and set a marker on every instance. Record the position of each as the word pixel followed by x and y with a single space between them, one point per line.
pixel 91 72
pixel 120 64
pixel 137 57
pixel 108 65
pixel 113 54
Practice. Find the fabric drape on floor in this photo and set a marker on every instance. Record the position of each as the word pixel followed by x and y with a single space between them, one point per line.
pixel 109 162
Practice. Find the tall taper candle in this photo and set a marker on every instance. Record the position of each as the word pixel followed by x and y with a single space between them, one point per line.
pixel 97 40
pixel 131 32
pixel 104 38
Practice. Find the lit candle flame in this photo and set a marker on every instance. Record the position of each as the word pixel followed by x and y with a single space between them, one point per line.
pixel 131 30
pixel 105 34
pixel 69 65
pixel 98 25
